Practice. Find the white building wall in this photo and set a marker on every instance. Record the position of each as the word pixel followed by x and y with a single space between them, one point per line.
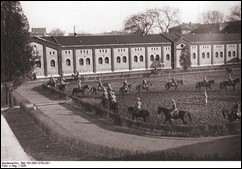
pixel 139 52
pixel 103 54
pixel 51 54
pixel 218 54
pixel 206 59
pixel 167 56
pixel 231 52
pixel 239 54
pixel 121 59
pixel 67 69
pixel 194 55
pixel 86 55
pixel 155 53
pixel 39 49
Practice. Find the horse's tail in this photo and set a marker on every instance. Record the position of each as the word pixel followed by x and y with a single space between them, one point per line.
pixel 189 115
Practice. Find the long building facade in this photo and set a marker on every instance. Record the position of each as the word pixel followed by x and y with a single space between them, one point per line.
pixel 106 54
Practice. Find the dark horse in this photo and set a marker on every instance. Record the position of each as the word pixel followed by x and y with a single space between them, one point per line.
pixel 231 116
pixel 51 84
pixel 171 84
pixel 199 85
pixel 123 91
pixel 179 115
pixel 224 84
pixel 105 103
pixel 62 87
pixel 113 107
pixel 82 90
pixel 145 87
pixel 141 113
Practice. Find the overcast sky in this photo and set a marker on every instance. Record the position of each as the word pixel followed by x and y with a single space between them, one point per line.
pixel 105 16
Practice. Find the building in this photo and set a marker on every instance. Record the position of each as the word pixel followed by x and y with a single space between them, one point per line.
pixel 119 53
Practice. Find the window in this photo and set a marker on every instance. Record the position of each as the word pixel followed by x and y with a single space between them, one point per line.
pixel 167 57
pixel 157 57
pixel 50 53
pixel 124 59
pixel 151 57
pixel 65 52
pixel 203 55
pixel 208 54
pixel 100 51
pixel 118 50
pixel 194 55
pixel 106 60
pixel 68 62
pixel 118 59
pixel 52 63
pixel 81 62
pixel 141 58
pixel 221 54
pixel 135 59
pixel 88 61
pixel 216 54
pixel 229 53
pixel 87 51
pixel 53 52
pixel 80 51
pixel 69 52
pixel 100 60
pixel 234 53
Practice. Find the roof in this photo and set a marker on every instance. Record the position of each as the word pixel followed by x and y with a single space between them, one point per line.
pixel 101 40
pixel 207 28
pixel 39 30
pixel 212 37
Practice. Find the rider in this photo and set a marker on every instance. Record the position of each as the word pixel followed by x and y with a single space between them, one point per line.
pixel 52 80
pixel 173 80
pixel 79 84
pixel 125 85
pixel 109 88
pixel 62 80
pixel 100 84
pixel 230 79
pixel 144 83
pixel 236 108
pixel 77 75
pixel 138 105
pixel 113 98
pixel 205 81
pixel 105 94
pixel 174 107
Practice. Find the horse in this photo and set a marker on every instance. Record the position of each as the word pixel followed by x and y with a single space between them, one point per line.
pixel 51 84
pixel 145 87
pixel 94 89
pixel 82 90
pixel 231 116
pixel 141 113
pixel 62 87
pixel 199 85
pixel 105 103
pixel 168 85
pixel 224 84
pixel 179 115
pixel 123 90
pixel 113 107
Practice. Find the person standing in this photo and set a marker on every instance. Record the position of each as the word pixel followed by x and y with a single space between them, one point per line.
pixel 205 97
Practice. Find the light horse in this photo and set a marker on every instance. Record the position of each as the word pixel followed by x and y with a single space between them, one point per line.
pixel 82 90
pixel 168 85
pixel 136 114
pixel 144 87
pixel 199 85
pixel 224 84
pixel 123 90
pixel 179 115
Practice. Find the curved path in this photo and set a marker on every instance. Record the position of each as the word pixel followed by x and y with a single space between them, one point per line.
pixel 86 128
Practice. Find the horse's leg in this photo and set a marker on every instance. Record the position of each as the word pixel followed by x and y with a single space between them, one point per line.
pixel 170 121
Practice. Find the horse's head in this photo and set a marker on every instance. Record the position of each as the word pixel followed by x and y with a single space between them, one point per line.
pixel 86 87
pixel 211 81
pixel 237 80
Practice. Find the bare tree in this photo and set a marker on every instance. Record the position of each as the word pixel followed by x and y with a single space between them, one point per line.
pixel 57 32
pixel 235 13
pixel 141 23
pixel 211 17
pixel 166 18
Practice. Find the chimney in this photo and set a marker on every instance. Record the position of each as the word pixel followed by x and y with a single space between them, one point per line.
pixel 75 34
pixel 190 23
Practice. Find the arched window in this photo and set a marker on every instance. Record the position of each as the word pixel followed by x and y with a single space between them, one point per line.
pixel 234 53
pixel 167 57
pixel 135 58
pixel 157 57
pixel 106 60
pixel 194 55
pixel 216 54
pixel 141 58
pixel 68 62
pixel 52 63
pixel 118 59
pixel 88 61
pixel 100 60
pixel 229 54
pixel 151 57
pixel 208 54
pixel 203 55
pixel 124 59
pixel 81 61
pixel 221 54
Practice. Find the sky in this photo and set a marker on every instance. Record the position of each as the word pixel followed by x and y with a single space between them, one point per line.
pixel 104 16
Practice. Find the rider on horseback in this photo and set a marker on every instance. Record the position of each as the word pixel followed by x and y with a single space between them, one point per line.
pixel 144 83
pixel 138 105
pixel 109 88
pixel 79 84
pixel 51 80
pixel 100 84
pixel 113 98
pixel 205 81
pixel 236 109
pixel 174 107
pixel 230 79
pixel 173 82
pixel 125 85
pixel 62 80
